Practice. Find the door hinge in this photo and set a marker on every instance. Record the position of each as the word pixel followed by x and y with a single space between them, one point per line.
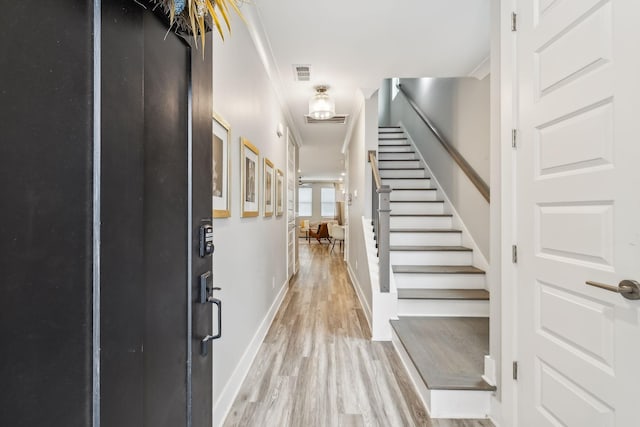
pixel 514 138
pixel 515 370
pixel 514 21
pixel 514 254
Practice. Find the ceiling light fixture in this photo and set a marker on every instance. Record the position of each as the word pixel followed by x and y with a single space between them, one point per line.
pixel 321 107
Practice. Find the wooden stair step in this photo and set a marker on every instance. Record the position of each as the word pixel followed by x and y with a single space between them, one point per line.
pixel 394 145
pixel 431 248
pixel 421 215
pixel 408 188
pixel 416 201
pixel 443 294
pixel 396 152
pixel 423 230
pixel 400 169
pixel 448 352
pixel 437 269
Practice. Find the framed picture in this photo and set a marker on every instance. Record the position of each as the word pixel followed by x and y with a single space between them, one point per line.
pixel 249 199
pixel 268 187
pixel 221 175
pixel 279 192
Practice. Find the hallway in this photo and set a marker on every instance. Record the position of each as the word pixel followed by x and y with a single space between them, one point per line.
pixel 318 367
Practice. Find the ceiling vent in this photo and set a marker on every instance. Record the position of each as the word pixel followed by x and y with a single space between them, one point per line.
pixel 338 119
pixel 302 72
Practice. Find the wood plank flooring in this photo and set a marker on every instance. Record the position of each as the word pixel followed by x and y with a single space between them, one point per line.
pixel 318 367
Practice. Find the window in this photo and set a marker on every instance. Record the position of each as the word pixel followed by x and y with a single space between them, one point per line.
pixel 328 202
pixel 304 201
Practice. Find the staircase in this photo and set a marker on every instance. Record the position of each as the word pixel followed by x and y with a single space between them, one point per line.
pixel 442 331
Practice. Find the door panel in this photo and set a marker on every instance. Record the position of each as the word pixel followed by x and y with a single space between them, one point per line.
pixel 577 212
pixel 166 64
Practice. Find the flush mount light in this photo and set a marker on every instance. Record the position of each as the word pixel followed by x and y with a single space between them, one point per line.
pixel 321 107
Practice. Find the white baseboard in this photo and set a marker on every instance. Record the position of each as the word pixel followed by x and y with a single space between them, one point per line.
pixel 223 404
pixel 363 301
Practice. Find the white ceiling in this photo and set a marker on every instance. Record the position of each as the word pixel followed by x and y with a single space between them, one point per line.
pixel 353 45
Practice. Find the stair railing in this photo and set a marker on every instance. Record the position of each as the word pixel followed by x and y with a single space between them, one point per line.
pixel 380 210
pixel 468 170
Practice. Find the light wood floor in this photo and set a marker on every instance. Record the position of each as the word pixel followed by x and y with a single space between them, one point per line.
pixel 318 367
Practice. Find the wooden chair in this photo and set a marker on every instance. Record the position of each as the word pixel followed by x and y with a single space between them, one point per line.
pixel 321 233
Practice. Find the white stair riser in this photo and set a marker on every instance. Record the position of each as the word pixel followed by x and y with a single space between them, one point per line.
pixel 439 281
pixel 419 194
pixel 431 257
pixel 444 308
pixel 437 222
pixel 407 183
pixel 403 173
pixel 399 163
pixel 425 239
pixel 390 140
pixel 406 148
pixel 417 208
pixel 396 156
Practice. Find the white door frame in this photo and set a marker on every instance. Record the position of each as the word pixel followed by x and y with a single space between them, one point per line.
pixel 504 103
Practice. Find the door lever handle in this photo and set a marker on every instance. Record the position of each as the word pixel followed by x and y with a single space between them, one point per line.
pixel 630 289
pixel 204 343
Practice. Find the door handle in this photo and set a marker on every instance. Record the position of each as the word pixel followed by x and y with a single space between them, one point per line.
pixel 630 289
pixel 204 343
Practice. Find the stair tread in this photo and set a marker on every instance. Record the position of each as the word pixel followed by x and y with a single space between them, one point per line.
pixel 422 177
pixel 400 138
pixel 427 215
pixel 437 269
pixel 400 169
pixel 448 352
pixel 416 201
pixel 389 127
pixel 398 160
pixel 395 145
pixel 423 230
pixel 397 152
pixel 443 294
pixel 430 248
pixel 413 189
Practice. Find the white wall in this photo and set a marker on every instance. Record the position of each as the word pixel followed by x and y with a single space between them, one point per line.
pixel 363 138
pixel 249 262
pixel 459 108
pixel 357 186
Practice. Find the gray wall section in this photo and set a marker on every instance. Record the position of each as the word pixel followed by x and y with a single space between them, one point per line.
pixel 250 258
pixel 384 103
pixel 459 108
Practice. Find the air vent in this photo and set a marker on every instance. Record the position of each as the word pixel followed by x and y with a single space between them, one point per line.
pixel 302 72
pixel 338 119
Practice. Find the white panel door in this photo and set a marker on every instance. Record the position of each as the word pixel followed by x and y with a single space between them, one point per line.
pixel 578 212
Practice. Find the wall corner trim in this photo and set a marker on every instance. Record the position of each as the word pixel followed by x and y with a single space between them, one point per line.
pixel 361 298
pixel 482 70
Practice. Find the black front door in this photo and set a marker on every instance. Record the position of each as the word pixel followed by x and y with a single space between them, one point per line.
pixel 152 321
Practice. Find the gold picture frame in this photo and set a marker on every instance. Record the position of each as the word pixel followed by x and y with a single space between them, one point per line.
pixel 221 168
pixel 279 192
pixel 249 165
pixel 267 187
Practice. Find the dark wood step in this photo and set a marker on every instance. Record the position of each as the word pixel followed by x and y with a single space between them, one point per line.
pixel 393 139
pixel 437 269
pixel 448 352
pixel 395 152
pixel 395 145
pixel 400 169
pixel 444 294
pixel 389 127
pixel 430 248
pixel 398 160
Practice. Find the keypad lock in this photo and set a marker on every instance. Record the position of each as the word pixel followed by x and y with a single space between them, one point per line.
pixel 206 240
